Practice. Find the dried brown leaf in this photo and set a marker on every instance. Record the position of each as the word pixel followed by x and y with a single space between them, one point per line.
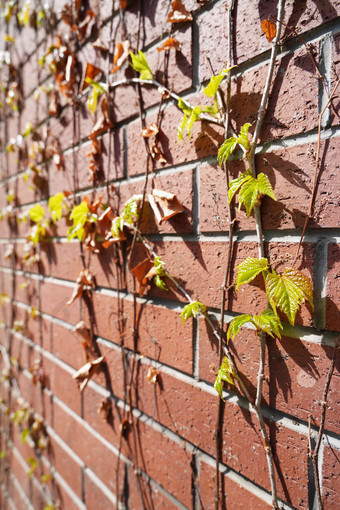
pixel 84 333
pixel 170 43
pixel 99 45
pixel 178 14
pixel 269 29
pixel 84 280
pixel 150 131
pixel 38 373
pixel 103 123
pixel 156 154
pixel 53 103
pixel 105 408
pixel 164 93
pixel 121 54
pixel 84 374
pixel 152 375
pixel 164 205
pixel 140 272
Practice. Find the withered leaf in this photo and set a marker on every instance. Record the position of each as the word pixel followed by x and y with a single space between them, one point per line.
pixel 103 123
pixel 164 92
pixel 104 226
pixel 84 28
pixel 38 373
pixel 53 103
pixel 169 43
pixel 123 4
pixel 150 131
pixel 269 29
pixel 91 72
pixel 156 154
pixel 178 14
pixel 105 408
pixel 99 45
pixel 141 273
pixel 152 375
pixel 83 332
pixel 95 158
pixel 84 280
pixel 164 205
pixel 84 374
pixel 121 54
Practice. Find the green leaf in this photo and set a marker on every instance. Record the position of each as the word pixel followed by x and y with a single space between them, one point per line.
pixel 2 454
pixel 96 91
pixel 37 233
pixel 235 184
pixel 249 269
pixel 45 478
pixel 215 81
pixel 226 149
pixel 184 107
pixel 36 213
pixel 288 291
pixel 225 373
pixel 79 215
pixel 139 64
pixel 268 322
pixel 192 310
pixel 24 434
pixel 181 127
pixel 160 283
pixel 236 324
pixel 190 116
pixel 56 206
pixel 252 190
pixel 33 463
pixel 243 136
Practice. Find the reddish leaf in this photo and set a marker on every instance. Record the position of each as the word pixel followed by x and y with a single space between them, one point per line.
pixel 123 4
pixel 91 72
pixel 105 409
pixel 269 29
pixel 169 43
pixel 38 373
pixel 164 205
pixel 178 14
pixel 84 374
pixel 140 272
pixel 53 103
pixel 121 54
pixel 103 123
pixel 96 160
pixel 150 131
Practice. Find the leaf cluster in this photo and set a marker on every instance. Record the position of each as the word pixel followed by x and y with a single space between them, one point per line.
pixel 140 64
pixel 193 310
pixel 251 190
pixel 225 373
pixel 229 145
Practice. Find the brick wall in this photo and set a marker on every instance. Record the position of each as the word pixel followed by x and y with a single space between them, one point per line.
pixel 170 442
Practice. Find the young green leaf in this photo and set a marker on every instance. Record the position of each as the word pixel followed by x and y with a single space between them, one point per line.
pixel 243 136
pixel 192 310
pixel 288 291
pixel 268 322
pixel 24 434
pixel 56 206
pixel 215 81
pixel 36 213
pixel 184 107
pixel 37 233
pixel 189 117
pixel 235 184
pixel 236 324
pixel 139 64
pixel 79 215
pixel 229 145
pixel 160 283
pixel 249 269
pixel 96 91
pixel 225 373
pixel 33 463
pixel 252 190
pixel 2 454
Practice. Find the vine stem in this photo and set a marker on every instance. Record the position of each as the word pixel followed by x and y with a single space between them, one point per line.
pixel 155 83
pixel 315 454
pixel 316 173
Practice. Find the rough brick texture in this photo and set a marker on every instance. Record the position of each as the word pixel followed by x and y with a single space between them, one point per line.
pixel 125 442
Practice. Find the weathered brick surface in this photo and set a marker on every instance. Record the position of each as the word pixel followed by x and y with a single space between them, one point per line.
pixel 182 407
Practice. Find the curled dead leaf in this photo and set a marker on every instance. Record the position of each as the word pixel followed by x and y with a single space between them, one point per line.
pixel 170 43
pixel 121 54
pixel 152 375
pixel 141 272
pixel 150 131
pixel 96 160
pixel 164 205
pixel 105 408
pixel 91 72
pixel 84 333
pixel 103 123
pixel 53 103
pixel 156 154
pixel 99 45
pixel 178 14
pixel 83 281
pixel 38 373
pixel 269 29
pixel 84 374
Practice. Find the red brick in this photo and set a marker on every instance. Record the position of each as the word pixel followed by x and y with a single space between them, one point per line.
pixel 333 288
pixel 151 493
pixel 94 496
pixel 53 302
pixel 233 493
pixel 205 141
pixel 330 477
pixel 290 172
pixel 249 39
pixel 295 372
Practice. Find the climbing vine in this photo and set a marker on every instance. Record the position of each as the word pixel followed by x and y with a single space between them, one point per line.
pixel 98 223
